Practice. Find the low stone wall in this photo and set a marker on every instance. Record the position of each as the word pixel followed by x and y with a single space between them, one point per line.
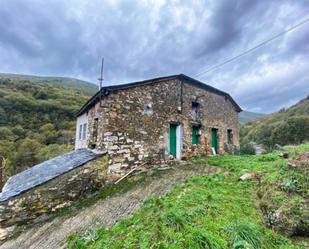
pixel 32 205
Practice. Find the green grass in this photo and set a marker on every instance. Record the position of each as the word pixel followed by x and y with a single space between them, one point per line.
pixel 216 211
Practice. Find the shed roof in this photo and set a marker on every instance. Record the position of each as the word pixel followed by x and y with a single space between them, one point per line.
pixel 93 100
pixel 44 172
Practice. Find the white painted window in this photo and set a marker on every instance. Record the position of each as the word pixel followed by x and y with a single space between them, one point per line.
pixel 80 132
pixel 84 131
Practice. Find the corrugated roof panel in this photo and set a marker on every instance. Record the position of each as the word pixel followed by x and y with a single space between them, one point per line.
pixel 45 171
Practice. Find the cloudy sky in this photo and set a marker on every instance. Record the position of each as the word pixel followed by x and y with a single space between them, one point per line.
pixel 143 39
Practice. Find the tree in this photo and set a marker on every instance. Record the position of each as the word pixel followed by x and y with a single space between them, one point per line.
pixel 48 134
pixel 294 131
pixel 6 134
pixel 26 154
pixel 264 136
pixel 51 150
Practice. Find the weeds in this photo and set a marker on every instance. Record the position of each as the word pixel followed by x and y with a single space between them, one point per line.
pixel 245 235
pixel 290 185
pixel 215 212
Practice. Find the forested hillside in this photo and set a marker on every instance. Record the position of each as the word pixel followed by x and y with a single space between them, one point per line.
pixel 37 118
pixel 81 86
pixel 288 126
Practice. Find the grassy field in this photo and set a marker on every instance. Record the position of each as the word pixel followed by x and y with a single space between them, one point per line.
pixel 213 211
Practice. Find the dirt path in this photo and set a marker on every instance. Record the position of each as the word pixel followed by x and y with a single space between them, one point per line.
pixel 106 212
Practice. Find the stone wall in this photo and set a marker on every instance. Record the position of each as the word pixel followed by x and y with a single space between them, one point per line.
pixel 60 192
pixel 134 122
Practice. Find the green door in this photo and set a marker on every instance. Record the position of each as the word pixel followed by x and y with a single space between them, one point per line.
pixel 195 130
pixel 173 140
pixel 214 141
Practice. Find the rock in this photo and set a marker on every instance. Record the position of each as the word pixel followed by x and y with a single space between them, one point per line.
pixel 248 176
pixel 3 233
pixel 284 155
pixel 164 167
pixel 291 164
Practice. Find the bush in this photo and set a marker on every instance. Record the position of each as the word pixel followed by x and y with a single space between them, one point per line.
pixel 247 149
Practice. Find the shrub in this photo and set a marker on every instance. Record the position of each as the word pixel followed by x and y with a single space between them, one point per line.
pixel 247 149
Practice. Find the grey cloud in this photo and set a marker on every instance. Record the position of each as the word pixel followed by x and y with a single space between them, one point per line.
pixel 141 40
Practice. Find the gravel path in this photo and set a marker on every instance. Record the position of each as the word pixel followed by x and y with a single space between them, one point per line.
pixel 51 234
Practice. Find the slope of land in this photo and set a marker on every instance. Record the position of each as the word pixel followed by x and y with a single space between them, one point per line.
pixel 105 212
pixel 64 82
pixel 218 211
pixel 37 118
pixel 288 126
pixel 246 116
pixel 193 205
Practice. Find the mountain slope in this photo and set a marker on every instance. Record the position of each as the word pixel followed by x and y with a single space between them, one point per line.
pixel 246 116
pixel 37 118
pixel 288 126
pixel 70 83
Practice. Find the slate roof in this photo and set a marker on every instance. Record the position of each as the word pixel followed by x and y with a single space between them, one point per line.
pixel 44 172
pixel 92 101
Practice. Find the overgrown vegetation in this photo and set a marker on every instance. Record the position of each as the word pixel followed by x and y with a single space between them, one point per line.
pixel 216 211
pixel 37 119
pixel 247 149
pixel 288 126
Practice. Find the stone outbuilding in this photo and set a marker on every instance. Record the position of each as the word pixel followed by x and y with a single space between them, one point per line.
pixel 156 120
pixel 51 185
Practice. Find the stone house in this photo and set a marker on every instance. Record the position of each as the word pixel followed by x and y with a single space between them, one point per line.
pixel 118 129
pixel 155 119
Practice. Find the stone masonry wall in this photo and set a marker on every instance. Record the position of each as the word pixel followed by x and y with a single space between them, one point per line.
pixel 28 207
pixel 134 123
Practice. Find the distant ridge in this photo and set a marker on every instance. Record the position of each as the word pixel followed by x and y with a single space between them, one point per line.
pixel 66 82
pixel 246 116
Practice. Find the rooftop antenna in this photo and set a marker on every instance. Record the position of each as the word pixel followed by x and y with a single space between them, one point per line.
pixel 101 81
pixel 2 164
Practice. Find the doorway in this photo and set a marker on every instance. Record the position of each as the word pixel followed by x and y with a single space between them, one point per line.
pixel 175 140
pixel 214 139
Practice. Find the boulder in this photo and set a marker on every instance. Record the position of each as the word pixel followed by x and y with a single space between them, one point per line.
pixel 248 176
pixel 3 233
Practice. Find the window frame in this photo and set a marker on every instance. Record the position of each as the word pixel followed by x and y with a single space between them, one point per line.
pixel 229 136
pixel 84 135
pixel 195 129
pixel 80 131
pixel 95 130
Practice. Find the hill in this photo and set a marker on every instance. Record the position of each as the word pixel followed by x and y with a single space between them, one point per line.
pixel 287 126
pixel 69 83
pixel 246 116
pixel 37 117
